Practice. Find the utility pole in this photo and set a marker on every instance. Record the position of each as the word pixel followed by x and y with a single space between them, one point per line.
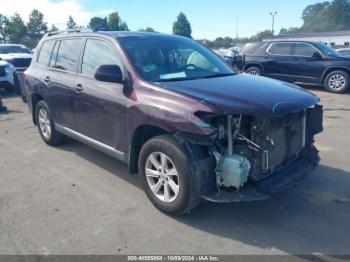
pixel 273 14
pixel 237 32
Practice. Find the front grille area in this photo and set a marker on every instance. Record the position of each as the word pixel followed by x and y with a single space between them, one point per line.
pixel 288 136
pixel 21 62
pixel 2 71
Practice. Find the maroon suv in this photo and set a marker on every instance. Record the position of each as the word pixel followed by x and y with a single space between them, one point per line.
pixel 175 113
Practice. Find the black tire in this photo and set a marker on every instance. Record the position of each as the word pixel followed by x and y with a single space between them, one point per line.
pixel 337 89
pixel 253 70
pixel 186 199
pixel 54 138
pixel 16 87
pixel 9 89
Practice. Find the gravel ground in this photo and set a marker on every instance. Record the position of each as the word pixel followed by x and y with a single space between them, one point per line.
pixel 75 200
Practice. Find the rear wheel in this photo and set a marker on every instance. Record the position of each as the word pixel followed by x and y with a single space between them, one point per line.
pixel 253 70
pixel 166 175
pixel 337 81
pixel 46 125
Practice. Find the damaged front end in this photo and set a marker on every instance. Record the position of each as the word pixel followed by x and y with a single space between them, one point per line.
pixel 252 157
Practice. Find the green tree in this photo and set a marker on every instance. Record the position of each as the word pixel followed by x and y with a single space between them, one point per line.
pixel 261 35
pixel 182 26
pixel 71 24
pixel 115 23
pixel 36 27
pixel 53 28
pixel 17 30
pixel 4 21
pixel 98 24
pixel 147 29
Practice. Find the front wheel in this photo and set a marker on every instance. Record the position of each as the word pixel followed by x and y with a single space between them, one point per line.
pixel 166 175
pixel 337 81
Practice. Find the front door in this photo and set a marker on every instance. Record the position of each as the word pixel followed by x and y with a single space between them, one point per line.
pixel 100 107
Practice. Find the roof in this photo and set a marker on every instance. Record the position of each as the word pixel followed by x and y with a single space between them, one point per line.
pixel 315 34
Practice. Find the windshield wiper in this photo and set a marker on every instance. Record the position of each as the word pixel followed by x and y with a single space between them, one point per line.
pixel 219 75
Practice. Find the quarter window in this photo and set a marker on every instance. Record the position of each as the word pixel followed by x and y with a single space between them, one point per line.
pixel 68 54
pixel 280 49
pixel 45 53
pixel 304 50
pixel 96 53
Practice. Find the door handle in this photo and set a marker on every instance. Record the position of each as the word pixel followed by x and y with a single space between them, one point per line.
pixel 47 79
pixel 78 87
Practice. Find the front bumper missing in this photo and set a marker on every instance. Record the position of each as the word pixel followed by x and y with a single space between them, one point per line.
pixel 284 178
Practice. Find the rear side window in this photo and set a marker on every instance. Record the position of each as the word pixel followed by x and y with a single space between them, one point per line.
pixel 280 49
pixel 304 50
pixel 45 52
pixel 68 54
pixel 251 48
pixel 96 53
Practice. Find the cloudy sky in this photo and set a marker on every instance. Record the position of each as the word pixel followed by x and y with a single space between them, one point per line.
pixel 209 19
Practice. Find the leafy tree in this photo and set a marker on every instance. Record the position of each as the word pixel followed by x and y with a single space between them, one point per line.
pixel 17 30
pixel 182 26
pixel 147 29
pixel 261 35
pixel 115 23
pixel 71 24
pixel 98 24
pixel 36 27
pixel 4 21
pixel 53 28
pixel 291 30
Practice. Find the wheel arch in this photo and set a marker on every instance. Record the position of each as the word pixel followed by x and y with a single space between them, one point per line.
pixel 35 98
pixel 254 64
pixel 331 69
pixel 141 135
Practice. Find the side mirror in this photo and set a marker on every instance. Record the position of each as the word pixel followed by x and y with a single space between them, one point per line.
pixel 109 73
pixel 316 55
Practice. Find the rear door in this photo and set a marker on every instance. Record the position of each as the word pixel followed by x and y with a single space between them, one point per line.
pixel 61 79
pixel 100 106
pixel 278 63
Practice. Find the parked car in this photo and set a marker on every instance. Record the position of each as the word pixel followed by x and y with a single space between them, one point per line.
pixel 175 113
pixel 20 57
pixel 344 51
pixel 8 78
pixel 298 62
pixel 230 55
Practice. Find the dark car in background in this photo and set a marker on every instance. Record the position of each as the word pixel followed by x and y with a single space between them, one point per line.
pixel 298 62
pixel 176 113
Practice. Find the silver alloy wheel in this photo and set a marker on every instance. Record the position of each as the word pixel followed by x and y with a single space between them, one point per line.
pixel 253 72
pixel 44 123
pixel 162 177
pixel 336 82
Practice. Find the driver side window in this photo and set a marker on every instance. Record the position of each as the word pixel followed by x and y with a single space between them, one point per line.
pixel 97 52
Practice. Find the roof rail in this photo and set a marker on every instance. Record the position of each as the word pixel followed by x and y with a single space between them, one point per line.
pixel 78 30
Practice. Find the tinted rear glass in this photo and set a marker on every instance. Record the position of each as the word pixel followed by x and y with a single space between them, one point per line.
pixel 45 52
pixel 251 48
pixel 68 54
pixel 280 49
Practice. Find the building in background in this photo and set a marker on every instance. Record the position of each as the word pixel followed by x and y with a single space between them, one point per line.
pixel 335 39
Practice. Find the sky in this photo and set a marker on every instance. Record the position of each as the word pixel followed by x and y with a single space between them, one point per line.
pixel 209 18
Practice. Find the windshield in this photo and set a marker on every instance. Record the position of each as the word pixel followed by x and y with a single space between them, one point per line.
pixel 160 59
pixel 327 50
pixel 13 49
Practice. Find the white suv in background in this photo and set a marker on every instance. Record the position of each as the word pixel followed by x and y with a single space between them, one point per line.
pixel 19 56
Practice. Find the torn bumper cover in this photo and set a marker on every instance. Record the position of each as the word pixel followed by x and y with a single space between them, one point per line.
pixel 284 178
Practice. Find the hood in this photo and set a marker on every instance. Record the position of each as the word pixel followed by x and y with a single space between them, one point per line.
pixel 246 94
pixel 11 56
